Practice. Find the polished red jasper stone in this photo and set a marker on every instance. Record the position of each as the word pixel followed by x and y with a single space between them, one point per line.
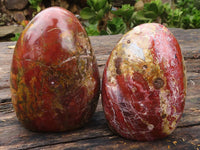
pixel 54 75
pixel 144 84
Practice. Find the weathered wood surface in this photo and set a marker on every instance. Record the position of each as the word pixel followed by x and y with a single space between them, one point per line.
pixel 96 134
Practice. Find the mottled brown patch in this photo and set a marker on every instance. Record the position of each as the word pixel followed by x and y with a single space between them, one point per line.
pixel 118 61
pixel 158 83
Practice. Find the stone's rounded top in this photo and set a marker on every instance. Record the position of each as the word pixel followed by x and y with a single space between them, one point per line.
pixel 16 4
pixel 60 30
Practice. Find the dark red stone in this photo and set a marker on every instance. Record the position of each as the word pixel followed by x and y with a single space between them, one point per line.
pixel 146 99
pixel 54 75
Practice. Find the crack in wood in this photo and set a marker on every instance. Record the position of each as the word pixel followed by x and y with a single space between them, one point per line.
pixel 189 125
pixel 67 142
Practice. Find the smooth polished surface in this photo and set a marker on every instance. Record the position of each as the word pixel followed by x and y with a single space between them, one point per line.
pixel 144 84
pixel 54 76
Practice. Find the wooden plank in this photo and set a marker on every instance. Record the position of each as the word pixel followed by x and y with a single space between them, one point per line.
pixel 23 139
pixel 93 136
pixel 96 135
pixel 13 135
pixel 180 139
pixel 5 61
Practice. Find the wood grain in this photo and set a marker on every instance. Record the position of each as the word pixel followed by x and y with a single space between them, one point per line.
pixel 96 134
